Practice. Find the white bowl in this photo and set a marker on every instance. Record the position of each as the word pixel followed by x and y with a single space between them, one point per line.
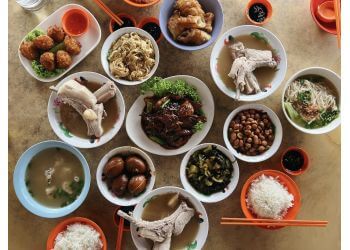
pixel 102 185
pixel 115 36
pixel 331 76
pixel 139 137
pixel 218 196
pixel 53 110
pixel 278 133
pixel 89 40
pixel 246 30
pixel 202 234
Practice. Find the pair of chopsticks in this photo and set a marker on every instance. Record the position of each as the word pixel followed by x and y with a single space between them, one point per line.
pixel 337 19
pixel 120 233
pixel 109 12
pixel 272 222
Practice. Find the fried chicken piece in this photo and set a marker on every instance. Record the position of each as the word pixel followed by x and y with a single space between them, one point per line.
pixel 209 18
pixel 177 24
pixel 63 59
pixel 28 50
pixel 193 36
pixel 47 59
pixel 43 42
pixel 189 7
pixel 72 45
pixel 56 33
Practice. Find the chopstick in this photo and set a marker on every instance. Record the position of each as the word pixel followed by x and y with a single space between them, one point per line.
pixel 272 222
pixel 337 20
pixel 120 233
pixel 109 12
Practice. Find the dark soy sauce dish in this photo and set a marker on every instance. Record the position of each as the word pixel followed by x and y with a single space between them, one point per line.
pixel 259 12
pixel 295 161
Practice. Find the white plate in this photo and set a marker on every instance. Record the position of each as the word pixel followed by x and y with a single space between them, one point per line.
pixel 139 137
pixel 198 243
pixel 218 196
pixel 275 44
pixel 278 133
pixel 53 111
pixel 89 40
pixel 102 185
pixel 332 77
pixel 115 36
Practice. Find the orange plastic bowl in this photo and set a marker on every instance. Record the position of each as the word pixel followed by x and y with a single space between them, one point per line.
pixel 328 27
pixel 268 6
pixel 286 181
pixel 121 15
pixel 141 5
pixel 70 18
pixel 151 20
pixel 63 225
pixel 303 168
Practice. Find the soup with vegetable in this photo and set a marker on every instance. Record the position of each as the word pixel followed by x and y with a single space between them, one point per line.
pixel 161 206
pixel 55 177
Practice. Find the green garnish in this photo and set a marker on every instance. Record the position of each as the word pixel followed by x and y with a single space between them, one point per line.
pixel 44 73
pixel 259 36
pixel 325 118
pixel 59 46
pixel 157 140
pixel 165 103
pixel 161 87
pixel 198 126
pixel 34 34
pixel 231 38
pixel 76 187
pixel 304 97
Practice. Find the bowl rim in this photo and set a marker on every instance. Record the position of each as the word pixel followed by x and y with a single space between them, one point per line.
pixel 184 148
pixel 185 47
pixel 30 203
pixel 300 73
pixel 173 189
pixel 305 166
pixel 114 36
pixel 60 227
pixel 215 197
pixel 278 133
pixel 102 185
pixel 222 86
pixel 111 133
pixel 285 180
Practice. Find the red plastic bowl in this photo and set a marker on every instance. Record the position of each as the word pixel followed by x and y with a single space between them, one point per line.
pixel 286 181
pixel 150 20
pixel 328 27
pixel 303 168
pixel 63 225
pixel 121 15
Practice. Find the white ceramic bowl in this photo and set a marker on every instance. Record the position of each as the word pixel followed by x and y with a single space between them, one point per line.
pixel 331 76
pixel 215 197
pixel 139 137
pixel 115 36
pixel 53 110
pixel 278 133
pixel 202 234
pixel 275 44
pixel 102 185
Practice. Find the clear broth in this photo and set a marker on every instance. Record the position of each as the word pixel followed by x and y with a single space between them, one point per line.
pixel 66 165
pixel 157 209
pixel 75 123
pixel 264 75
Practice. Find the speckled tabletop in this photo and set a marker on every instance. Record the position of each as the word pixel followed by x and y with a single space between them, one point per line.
pixel 306 46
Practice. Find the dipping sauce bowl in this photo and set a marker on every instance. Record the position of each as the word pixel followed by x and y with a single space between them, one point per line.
pixel 129 21
pixel 257 8
pixel 288 153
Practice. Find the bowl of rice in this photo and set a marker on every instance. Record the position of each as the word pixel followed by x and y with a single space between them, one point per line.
pixel 270 194
pixel 76 233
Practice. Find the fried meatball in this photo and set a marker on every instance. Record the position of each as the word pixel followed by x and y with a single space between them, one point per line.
pixel 43 42
pixel 56 33
pixel 63 59
pixel 28 50
pixel 72 45
pixel 47 59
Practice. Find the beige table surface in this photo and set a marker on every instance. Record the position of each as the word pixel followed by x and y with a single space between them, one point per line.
pixel 305 45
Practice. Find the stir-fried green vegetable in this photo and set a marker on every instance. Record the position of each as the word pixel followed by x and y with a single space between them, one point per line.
pixel 325 118
pixel 209 170
pixel 161 87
